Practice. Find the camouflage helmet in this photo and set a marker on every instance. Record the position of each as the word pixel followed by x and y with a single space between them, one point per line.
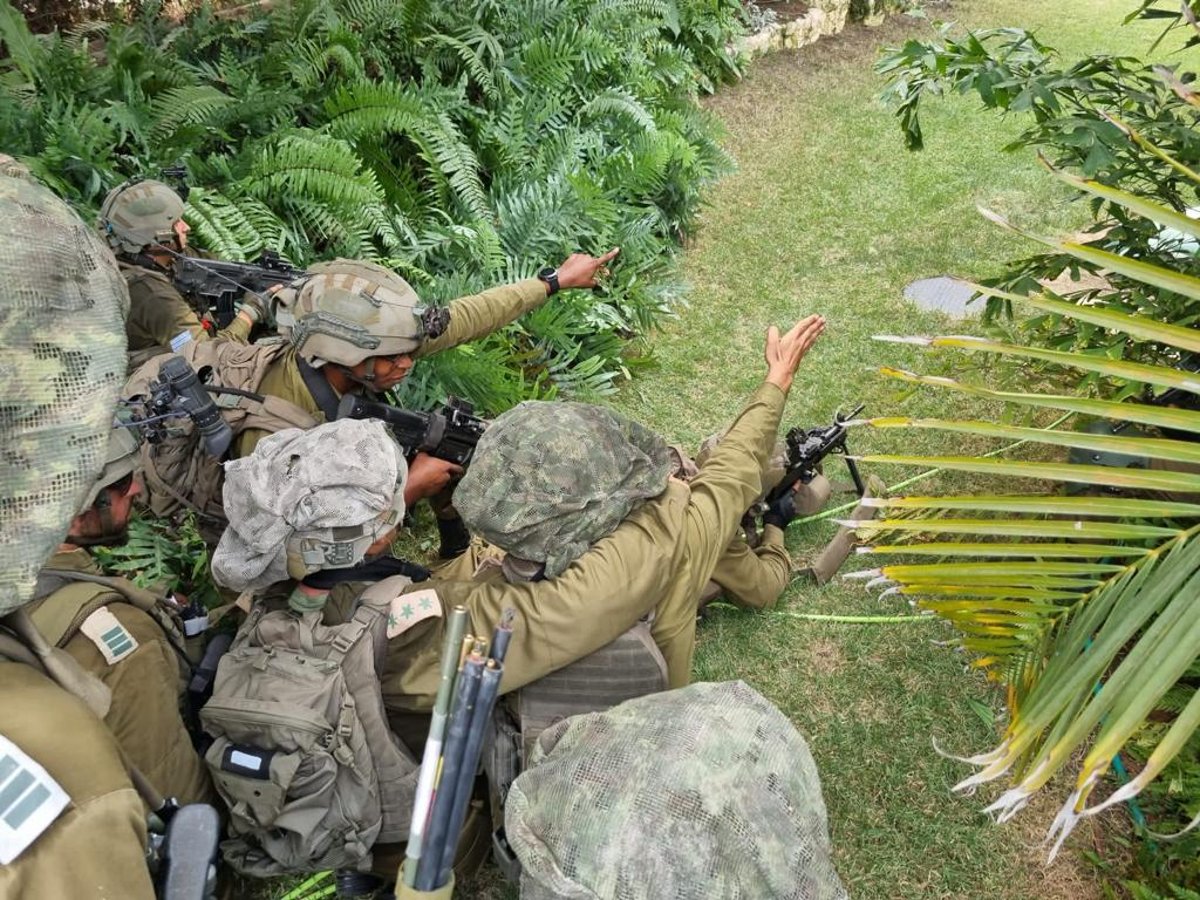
pixel 138 213
pixel 63 304
pixel 349 310
pixel 307 500
pixel 549 479
pixel 121 459
pixel 14 167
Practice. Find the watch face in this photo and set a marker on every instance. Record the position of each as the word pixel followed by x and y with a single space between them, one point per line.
pixel 545 274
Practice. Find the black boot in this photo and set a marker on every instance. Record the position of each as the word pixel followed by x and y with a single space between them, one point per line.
pixel 455 537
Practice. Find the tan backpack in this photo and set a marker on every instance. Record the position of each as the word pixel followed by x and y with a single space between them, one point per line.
pixel 179 473
pixel 303 755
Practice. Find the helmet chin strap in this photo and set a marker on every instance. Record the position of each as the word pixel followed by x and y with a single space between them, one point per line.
pixel 367 380
pixel 109 532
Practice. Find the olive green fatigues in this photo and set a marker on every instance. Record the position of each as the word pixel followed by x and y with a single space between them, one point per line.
pixel 146 684
pixel 158 314
pixel 471 318
pixel 95 848
pixel 657 561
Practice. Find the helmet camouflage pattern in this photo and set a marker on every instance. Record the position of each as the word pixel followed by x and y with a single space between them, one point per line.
pixel 13 167
pixel 307 500
pixel 549 479
pixel 120 459
pixel 63 304
pixel 705 791
pixel 349 310
pixel 138 213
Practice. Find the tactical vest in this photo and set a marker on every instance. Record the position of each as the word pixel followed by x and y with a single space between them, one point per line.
pixel 303 755
pixel 179 472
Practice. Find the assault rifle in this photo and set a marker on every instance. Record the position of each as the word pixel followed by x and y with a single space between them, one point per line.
pixel 806 450
pixel 216 285
pixel 449 433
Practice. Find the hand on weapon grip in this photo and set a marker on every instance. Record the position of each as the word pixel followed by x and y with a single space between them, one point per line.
pixel 781 512
pixel 784 352
pixel 580 270
pixel 427 475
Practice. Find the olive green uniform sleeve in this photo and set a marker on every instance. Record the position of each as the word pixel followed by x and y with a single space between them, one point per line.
pixel 96 846
pixel 238 330
pixel 599 597
pixel 145 684
pixel 754 578
pixel 157 313
pixel 478 315
pixel 728 482
pixel 282 380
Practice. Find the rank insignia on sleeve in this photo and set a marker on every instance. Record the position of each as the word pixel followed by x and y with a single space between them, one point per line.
pixel 407 610
pixel 109 635
pixel 29 800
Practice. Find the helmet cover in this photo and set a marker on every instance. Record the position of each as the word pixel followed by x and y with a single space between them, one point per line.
pixel 63 304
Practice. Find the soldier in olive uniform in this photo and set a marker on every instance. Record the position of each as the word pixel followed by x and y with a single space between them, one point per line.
pixel 352 327
pixel 72 823
pixel 142 221
pixel 596 534
pixel 129 638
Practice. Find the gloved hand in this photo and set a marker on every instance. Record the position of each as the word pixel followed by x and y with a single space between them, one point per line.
pixel 781 511
pixel 258 306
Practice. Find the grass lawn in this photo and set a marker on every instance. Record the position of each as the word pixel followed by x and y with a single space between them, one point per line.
pixel 828 213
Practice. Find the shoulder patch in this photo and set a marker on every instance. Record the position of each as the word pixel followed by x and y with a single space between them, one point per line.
pixel 109 635
pixel 409 609
pixel 29 800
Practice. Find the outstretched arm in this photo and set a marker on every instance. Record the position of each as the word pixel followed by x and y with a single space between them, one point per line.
pixel 478 315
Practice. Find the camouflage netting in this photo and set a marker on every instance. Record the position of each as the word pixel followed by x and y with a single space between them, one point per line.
pixel 703 792
pixel 550 479
pixel 309 500
pixel 63 304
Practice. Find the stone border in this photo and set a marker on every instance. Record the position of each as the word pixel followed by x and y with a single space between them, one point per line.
pixel 826 17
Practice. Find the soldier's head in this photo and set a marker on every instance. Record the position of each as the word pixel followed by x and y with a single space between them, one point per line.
pixel 63 304
pixel 309 500
pixel 104 514
pixel 360 320
pixel 143 217
pixel 548 480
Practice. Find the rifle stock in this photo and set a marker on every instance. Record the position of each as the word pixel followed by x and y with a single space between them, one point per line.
pixel 216 285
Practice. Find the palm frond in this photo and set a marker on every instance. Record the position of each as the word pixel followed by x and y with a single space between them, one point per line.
pixel 1057 595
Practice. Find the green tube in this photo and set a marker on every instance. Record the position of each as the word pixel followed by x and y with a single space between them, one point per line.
pixel 456 625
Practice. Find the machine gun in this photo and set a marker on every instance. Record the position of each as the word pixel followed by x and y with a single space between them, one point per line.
pixel 806 450
pixel 215 285
pixel 449 433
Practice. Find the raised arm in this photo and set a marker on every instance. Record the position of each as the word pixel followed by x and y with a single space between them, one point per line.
pixel 478 315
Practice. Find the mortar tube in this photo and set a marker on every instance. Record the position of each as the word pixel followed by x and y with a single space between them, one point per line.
pixel 503 634
pixel 489 689
pixel 456 624
pixel 466 690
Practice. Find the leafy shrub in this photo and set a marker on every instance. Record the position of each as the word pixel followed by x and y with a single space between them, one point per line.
pixel 1115 120
pixel 165 556
pixel 462 143
pixel 1129 129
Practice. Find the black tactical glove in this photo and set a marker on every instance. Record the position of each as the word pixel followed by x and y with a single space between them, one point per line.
pixel 781 511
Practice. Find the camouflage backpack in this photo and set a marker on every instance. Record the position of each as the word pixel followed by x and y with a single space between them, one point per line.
pixel 303 755
pixel 178 472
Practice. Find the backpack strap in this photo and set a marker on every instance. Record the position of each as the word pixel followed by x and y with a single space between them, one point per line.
pixel 82 593
pixel 322 391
